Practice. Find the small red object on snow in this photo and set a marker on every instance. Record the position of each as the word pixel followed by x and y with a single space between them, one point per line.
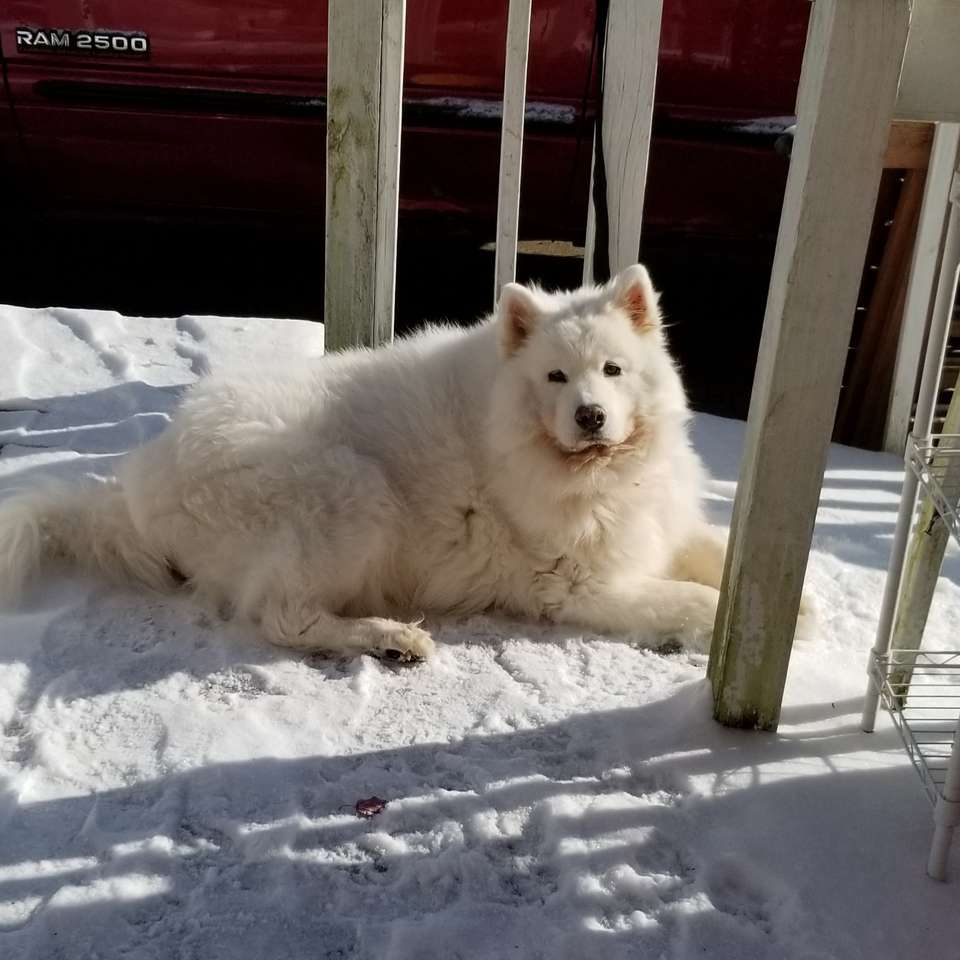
pixel 369 808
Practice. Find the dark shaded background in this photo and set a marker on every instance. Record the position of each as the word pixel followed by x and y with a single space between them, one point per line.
pixel 713 299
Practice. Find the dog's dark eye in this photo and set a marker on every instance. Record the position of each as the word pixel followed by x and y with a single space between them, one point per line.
pixel 611 370
pixel 557 376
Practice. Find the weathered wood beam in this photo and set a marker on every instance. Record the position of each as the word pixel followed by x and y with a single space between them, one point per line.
pixel 631 48
pixel 364 96
pixel 848 88
pixel 511 143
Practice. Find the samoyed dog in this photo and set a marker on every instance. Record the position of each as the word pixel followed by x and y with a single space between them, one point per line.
pixel 536 465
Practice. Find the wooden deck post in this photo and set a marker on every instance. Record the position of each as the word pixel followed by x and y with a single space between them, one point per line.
pixel 511 143
pixel 630 52
pixel 923 269
pixel 364 98
pixel 867 382
pixel 848 88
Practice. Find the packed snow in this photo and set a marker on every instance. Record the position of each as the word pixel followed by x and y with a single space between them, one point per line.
pixel 172 787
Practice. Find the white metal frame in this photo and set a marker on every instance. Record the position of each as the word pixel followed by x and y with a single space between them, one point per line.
pixel 896 677
pixel 947 277
pixel 925 710
pixel 921 688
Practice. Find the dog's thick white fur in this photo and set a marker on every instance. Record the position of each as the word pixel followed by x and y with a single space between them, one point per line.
pixel 537 464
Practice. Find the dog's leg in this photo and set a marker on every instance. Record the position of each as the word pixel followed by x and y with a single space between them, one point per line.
pixel 701 558
pixel 308 627
pixel 653 612
pixel 701 561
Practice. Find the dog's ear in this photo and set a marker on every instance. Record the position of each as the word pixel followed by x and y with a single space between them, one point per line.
pixel 517 313
pixel 634 294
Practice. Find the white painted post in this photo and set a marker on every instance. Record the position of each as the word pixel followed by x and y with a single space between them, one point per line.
pixel 364 95
pixel 388 164
pixel 511 143
pixel 927 252
pixel 590 239
pixel 630 51
pixel 848 88
pixel 930 81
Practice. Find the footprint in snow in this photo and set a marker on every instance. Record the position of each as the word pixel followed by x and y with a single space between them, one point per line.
pixel 740 891
pixel 190 334
pixel 116 361
pixel 199 362
pixel 191 327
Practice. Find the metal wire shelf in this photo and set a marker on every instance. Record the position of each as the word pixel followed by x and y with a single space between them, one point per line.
pixel 921 688
pixel 936 462
pixel 921 691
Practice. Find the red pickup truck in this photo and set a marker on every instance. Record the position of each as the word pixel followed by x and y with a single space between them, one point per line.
pixel 201 109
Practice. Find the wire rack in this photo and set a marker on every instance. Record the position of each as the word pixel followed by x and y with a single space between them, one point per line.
pixel 921 691
pixel 921 688
pixel 936 462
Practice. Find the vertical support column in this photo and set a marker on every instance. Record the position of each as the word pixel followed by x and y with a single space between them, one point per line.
pixel 630 50
pixel 364 97
pixel 511 143
pixel 848 88
pixel 927 252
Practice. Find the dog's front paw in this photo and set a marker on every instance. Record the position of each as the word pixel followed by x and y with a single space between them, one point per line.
pixel 807 619
pixel 403 643
pixel 696 619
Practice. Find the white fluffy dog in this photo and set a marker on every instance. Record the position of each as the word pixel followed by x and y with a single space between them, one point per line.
pixel 537 464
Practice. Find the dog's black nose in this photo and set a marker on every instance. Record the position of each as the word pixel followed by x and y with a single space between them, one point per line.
pixel 590 417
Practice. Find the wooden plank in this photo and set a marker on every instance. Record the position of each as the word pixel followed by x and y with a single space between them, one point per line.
pixel 909 145
pixel 590 239
pixel 930 82
pixel 353 131
pixel 388 167
pixel 364 83
pixel 863 405
pixel 631 47
pixel 927 251
pixel 847 93
pixel 511 143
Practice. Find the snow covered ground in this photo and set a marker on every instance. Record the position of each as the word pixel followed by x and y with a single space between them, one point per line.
pixel 171 787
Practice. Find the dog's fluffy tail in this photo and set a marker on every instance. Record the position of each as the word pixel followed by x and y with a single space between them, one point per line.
pixel 87 526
